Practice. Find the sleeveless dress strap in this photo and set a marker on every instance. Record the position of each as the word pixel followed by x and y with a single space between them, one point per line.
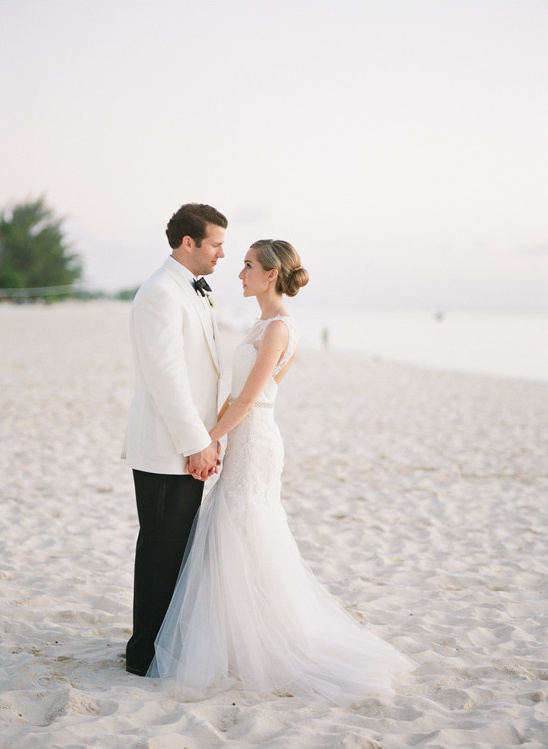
pixel 291 343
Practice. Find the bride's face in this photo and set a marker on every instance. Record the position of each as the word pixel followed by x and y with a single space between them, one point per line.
pixel 254 277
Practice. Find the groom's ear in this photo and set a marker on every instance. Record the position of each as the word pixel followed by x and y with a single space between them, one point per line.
pixel 188 244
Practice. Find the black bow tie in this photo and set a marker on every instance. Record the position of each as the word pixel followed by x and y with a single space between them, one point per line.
pixel 201 286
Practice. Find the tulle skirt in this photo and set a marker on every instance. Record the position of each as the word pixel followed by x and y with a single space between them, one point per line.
pixel 248 613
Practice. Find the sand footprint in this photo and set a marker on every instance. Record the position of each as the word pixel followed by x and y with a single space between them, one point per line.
pixel 354 741
pixel 37 708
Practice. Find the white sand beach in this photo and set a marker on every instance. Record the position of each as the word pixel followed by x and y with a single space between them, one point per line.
pixel 418 497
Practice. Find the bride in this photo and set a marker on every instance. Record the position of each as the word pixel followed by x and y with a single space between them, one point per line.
pixel 247 612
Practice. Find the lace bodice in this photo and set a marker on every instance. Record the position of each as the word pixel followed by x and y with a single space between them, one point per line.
pixel 253 460
pixel 246 355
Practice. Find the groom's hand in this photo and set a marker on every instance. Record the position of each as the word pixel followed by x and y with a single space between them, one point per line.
pixel 204 464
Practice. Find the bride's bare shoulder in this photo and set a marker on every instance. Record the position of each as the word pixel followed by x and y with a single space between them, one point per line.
pixel 276 330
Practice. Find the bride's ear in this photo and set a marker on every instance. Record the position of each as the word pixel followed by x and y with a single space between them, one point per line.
pixel 272 275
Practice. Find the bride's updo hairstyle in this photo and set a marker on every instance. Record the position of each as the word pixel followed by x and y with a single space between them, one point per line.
pixel 275 254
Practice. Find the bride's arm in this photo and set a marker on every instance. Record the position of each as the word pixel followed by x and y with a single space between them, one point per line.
pixel 271 348
pixel 223 408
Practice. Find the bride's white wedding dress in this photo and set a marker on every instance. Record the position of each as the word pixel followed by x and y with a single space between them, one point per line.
pixel 247 612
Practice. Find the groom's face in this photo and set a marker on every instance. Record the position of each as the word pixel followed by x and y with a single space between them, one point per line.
pixel 205 256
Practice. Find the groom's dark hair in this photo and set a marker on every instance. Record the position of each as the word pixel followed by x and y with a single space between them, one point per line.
pixel 191 220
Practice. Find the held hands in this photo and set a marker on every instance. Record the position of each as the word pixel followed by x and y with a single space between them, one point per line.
pixel 204 464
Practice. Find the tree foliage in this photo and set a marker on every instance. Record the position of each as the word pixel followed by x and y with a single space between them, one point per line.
pixel 33 249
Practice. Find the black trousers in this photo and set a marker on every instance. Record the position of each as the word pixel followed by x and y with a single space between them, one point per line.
pixel 166 505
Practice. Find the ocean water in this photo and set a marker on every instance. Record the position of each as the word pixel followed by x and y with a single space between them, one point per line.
pixel 496 343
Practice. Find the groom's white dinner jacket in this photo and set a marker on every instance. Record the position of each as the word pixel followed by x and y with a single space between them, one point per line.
pixel 177 373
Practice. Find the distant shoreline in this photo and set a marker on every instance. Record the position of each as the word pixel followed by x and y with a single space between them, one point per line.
pixel 374 334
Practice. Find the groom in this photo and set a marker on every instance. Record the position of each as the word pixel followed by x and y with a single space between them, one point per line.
pixel 177 372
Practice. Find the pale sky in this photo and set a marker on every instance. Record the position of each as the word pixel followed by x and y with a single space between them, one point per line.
pixel 401 146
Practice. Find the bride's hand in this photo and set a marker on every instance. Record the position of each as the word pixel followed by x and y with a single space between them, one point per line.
pixel 192 468
pixel 205 463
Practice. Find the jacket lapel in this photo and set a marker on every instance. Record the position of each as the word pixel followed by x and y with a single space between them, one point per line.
pixel 206 317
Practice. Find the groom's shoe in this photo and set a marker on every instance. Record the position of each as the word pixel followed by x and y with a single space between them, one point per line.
pixel 136 671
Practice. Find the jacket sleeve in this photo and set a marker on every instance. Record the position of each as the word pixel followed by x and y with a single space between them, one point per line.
pixel 157 328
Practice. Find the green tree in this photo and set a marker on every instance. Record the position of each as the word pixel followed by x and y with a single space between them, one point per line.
pixel 33 249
